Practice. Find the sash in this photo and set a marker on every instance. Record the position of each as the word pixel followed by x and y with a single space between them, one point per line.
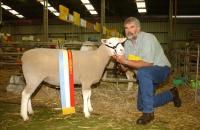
pixel 66 81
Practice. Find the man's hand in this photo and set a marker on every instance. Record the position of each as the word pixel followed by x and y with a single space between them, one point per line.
pixel 120 58
pixel 123 67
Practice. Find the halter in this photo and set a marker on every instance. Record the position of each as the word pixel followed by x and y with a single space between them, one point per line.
pixel 113 47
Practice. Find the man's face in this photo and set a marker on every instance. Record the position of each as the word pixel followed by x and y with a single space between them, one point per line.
pixel 131 30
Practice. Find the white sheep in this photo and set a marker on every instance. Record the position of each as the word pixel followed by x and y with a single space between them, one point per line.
pixel 88 46
pixel 42 64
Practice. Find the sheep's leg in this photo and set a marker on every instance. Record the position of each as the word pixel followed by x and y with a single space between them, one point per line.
pixel 86 95
pixel 30 109
pixel 129 76
pixel 89 102
pixel 26 100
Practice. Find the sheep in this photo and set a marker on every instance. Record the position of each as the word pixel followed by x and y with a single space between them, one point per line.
pixel 42 64
pixel 88 46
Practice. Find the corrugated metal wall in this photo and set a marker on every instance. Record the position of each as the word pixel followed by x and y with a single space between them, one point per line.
pixel 159 29
pixel 66 32
pixel 70 32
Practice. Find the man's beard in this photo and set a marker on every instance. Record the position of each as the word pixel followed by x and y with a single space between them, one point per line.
pixel 131 36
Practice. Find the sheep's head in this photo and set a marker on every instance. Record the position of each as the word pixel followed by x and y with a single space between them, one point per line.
pixel 114 45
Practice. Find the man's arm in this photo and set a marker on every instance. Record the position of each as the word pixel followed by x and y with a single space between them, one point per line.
pixel 131 63
pixel 137 64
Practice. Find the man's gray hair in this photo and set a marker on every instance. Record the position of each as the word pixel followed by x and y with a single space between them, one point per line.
pixel 132 19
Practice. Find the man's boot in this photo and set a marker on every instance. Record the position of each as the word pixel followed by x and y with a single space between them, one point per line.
pixel 176 97
pixel 145 118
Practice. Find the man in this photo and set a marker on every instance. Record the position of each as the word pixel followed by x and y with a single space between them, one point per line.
pixel 144 54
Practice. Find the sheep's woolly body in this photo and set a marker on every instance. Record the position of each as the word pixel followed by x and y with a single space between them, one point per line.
pixel 42 65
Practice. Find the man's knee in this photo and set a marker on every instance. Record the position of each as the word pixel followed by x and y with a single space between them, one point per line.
pixel 142 72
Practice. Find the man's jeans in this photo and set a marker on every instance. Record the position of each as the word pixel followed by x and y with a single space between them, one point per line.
pixel 149 78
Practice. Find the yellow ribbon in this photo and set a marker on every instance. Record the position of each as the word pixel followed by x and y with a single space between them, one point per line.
pixel 134 57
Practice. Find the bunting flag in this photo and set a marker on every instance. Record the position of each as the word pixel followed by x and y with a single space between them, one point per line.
pixel 70 18
pixel 104 30
pixel 89 25
pixel 108 32
pixel 83 23
pixel 66 82
pixel 64 13
pixel 76 18
pixel 98 27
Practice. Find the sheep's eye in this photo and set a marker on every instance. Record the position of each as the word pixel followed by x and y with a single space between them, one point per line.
pixel 109 43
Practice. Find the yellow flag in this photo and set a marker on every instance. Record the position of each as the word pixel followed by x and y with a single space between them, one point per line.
pixel 77 19
pixel 64 12
pixel 98 27
pixel 104 30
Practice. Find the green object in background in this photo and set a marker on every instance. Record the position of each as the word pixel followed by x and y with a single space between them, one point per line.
pixel 195 84
pixel 179 81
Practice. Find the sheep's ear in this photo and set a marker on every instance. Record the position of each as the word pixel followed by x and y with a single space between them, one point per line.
pixel 122 40
pixel 103 41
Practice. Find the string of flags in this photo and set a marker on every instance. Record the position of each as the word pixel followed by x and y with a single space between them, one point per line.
pixel 78 21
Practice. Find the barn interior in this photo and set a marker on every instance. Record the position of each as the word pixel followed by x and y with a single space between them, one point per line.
pixel 70 24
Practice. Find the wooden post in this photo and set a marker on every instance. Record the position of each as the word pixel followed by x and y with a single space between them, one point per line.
pixel 102 16
pixel 170 32
pixel 45 21
pixel 0 14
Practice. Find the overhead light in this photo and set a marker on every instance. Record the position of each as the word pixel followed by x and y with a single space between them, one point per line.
pixel 187 16
pixel 56 13
pixel 142 10
pixel 42 2
pixel 52 9
pixel 5 7
pixel 93 12
pixel 20 16
pixel 89 7
pixel 85 1
pixel 141 4
pixel 13 12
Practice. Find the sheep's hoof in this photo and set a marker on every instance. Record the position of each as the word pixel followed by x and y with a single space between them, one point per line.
pixel 26 118
pixel 87 115
pixel 31 112
pixel 90 109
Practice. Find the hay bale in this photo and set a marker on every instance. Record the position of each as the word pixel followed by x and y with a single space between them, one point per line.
pixel 16 84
